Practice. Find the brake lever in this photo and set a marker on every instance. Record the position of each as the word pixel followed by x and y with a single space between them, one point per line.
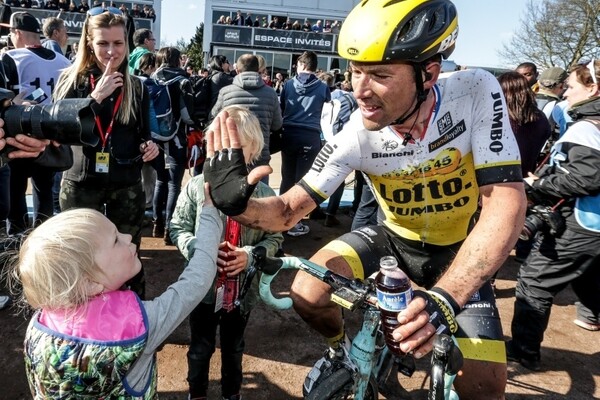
pixel 259 254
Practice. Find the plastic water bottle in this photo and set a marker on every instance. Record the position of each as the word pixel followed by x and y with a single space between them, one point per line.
pixel 394 292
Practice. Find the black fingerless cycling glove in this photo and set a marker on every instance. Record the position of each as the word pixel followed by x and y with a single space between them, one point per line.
pixel 442 309
pixel 226 174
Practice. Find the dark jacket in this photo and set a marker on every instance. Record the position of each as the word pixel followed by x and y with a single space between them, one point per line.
pixel 249 90
pixel 218 80
pixel 302 101
pixel 123 145
pixel 182 96
pixel 574 172
pixel 531 138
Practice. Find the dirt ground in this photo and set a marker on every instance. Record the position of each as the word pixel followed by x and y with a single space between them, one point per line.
pixel 280 348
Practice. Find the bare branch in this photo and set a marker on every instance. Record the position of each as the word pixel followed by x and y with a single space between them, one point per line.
pixel 555 33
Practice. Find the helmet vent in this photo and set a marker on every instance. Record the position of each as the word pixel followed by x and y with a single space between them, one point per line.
pixel 413 28
pixel 438 20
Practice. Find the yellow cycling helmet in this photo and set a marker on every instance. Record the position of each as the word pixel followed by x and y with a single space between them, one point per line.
pixel 411 30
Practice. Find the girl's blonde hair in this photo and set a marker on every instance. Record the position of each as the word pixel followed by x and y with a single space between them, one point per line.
pixel 251 135
pixel 56 263
pixel 74 76
pixel 262 64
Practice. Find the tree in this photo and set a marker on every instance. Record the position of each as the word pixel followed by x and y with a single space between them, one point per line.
pixel 194 49
pixel 556 33
pixel 181 45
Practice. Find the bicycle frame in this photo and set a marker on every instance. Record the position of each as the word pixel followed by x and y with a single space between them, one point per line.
pixel 369 354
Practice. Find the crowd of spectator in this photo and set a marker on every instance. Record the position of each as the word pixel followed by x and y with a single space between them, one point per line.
pixel 276 23
pixel 82 6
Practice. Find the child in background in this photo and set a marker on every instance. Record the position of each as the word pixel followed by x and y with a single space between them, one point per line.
pixel 233 260
pixel 88 337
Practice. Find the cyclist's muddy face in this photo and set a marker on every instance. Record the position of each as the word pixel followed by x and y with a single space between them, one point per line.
pixel 384 92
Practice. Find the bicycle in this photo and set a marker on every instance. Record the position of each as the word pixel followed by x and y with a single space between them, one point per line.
pixel 370 360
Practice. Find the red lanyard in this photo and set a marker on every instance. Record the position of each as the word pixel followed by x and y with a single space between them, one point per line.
pixel 104 136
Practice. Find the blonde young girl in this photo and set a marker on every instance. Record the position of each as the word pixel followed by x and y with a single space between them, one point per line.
pixel 88 336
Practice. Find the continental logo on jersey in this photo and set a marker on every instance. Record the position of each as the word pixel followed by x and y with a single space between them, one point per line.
pixel 445 162
pixel 450 135
pixel 323 156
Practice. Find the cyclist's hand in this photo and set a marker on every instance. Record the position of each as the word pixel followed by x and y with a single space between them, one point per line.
pixel 415 333
pixel 425 315
pixel 225 168
pixel 232 259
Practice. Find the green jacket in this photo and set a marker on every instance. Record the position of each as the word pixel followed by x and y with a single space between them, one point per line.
pixel 183 233
pixel 134 58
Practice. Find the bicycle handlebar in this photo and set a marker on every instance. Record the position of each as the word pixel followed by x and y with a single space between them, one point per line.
pixel 270 266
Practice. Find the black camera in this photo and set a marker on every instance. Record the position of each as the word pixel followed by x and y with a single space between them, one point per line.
pixel 542 217
pixel 5 41
pixel 68 121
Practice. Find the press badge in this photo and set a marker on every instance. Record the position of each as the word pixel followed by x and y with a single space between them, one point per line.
pixel 102 163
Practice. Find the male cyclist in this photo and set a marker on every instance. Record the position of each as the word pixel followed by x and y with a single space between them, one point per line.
pixel 433 151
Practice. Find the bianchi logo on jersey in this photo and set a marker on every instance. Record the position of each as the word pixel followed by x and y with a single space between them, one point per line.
pixel 389 145
pixel 405 153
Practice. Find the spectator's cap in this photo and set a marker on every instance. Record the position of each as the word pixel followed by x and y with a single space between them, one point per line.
pixel 23 21
pixel 550 77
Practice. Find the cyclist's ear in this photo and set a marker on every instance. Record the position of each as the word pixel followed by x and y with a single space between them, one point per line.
pixel 431 72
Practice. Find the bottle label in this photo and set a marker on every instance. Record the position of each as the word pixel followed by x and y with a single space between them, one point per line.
pixel 394 301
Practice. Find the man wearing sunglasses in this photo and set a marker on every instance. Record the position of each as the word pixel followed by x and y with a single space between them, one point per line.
pixel 145 42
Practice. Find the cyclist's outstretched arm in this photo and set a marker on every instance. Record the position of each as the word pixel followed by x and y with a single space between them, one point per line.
pixel 226 172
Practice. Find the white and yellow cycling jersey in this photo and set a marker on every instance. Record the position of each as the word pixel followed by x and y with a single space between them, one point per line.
pixel 428 189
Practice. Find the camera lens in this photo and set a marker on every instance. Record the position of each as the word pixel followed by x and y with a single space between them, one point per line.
pixel 532 224
pixel 68 121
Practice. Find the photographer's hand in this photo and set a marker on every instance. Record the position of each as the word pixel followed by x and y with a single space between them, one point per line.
pixel 530 179
pixel 20 99
pixel 25 146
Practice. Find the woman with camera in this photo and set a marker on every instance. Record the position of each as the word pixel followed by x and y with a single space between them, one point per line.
pixel 107 176
pixel 573 255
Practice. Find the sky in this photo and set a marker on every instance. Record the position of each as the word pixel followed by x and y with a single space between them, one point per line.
pixel 485 25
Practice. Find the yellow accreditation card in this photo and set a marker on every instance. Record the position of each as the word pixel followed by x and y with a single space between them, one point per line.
pixel 102 162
